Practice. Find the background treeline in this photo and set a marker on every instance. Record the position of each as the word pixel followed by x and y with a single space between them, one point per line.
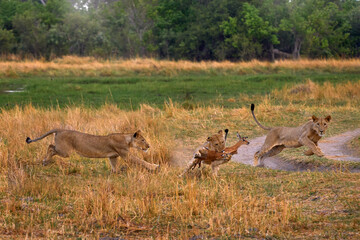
pixel 181 29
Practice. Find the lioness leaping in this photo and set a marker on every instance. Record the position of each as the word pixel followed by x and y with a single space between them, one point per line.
pixel 92 146
pixel 279 138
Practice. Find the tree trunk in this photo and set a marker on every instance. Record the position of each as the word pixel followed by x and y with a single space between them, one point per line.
pixel 272 52
pixel 297 47
pixel 282 54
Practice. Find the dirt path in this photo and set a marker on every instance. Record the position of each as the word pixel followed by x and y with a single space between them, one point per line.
pixel 333 148
pixel 246 156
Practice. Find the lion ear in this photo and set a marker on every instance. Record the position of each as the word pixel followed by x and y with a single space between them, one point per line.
pixel 328 118
pixel 314 118
pixel 137 133
pixel 221 131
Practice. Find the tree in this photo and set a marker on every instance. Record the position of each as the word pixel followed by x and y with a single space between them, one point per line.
pixel 83 33
pixel 354 37
pixel 7 41
pixel 316 23
pixel 7 13
pixel 171 20
pixel 31 34
pixel 181 29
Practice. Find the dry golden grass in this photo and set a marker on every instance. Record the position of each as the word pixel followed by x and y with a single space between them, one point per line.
pixel 349 91
pixel 79 197
pixel 88 66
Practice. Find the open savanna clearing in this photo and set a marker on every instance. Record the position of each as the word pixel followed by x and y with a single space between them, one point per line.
pixel 80 197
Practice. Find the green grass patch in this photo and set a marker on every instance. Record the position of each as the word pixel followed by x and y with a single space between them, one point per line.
pixel 130 92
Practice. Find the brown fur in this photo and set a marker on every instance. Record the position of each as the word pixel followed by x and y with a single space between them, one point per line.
pixel 92 146
pixel 280 138
pixel 215 143
pixel 209 157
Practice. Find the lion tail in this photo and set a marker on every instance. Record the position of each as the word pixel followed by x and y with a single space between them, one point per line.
pixel 29 140
pixel 260 125
pixel 226 134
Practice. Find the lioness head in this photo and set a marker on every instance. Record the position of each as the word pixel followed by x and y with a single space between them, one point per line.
pixel 320 124
pixel 138 141
pixel 216 142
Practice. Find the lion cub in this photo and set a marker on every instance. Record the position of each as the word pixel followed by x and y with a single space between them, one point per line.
pixel 215 143
pixel 92 146
pixel 279 138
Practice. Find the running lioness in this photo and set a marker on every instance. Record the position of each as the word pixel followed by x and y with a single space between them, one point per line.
pixel 280 138
pixel 92 146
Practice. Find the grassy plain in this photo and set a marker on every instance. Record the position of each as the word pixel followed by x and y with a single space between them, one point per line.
pixel 73 81
pixel 79 197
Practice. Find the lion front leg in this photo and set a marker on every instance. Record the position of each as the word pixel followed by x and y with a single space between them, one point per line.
pixel 143 163
pixel 308 152
pixel 113 163
pixel 149 166
pixel 313 147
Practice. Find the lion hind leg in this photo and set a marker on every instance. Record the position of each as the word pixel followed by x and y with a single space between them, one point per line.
pixel 215 169
pixel 256 158
pixel 272 152
pixel 215 166
pixel 51 151
pixel 261 154
pixel 275 150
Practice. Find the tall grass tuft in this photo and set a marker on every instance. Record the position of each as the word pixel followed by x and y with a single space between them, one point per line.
pixel 326 92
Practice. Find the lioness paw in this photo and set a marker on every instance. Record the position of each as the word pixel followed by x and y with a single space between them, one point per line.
pixel 308 152
pixel 321 154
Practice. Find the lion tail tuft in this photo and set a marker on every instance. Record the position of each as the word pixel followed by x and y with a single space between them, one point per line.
pixel 29 140
pixel 259 124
